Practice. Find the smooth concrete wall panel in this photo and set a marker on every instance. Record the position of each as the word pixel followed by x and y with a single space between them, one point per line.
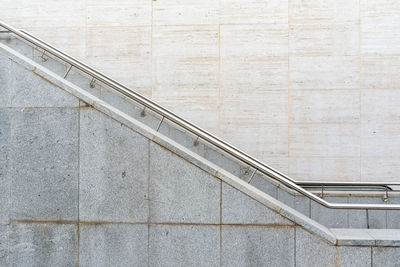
pixel 325 169
pixel 181 192
pixel 129 61
pixel 197 51
pixel 43 245
pixel 102 13
pixel 316 37
pixel 70 37
pixel 54 14
pixel 325 106
pixel 253 56
pixel 380 105
pixel 388 169
pixel 324 72
pixel 176 50
pixel 252 246
pixel 184 245
pixel 379 72
pixel 114 170
pixel 331 10
pixel 237 208
pixel 325 140
pixel 113 245
pixel 380 27
pixel 184 12
pixel 380 139
pixel 253 12
pixel 216 63
pixel 271 143
pixel 44 163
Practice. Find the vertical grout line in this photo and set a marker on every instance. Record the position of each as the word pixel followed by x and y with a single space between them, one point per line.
pixel 9 149
pixel 148 204
pixel 359 84
pixel 348 212
pixel 151 51
pixel 86 33
pixel 295 260
pixel 372 258
pixel 220 223
pixel 288 108
pixel 219 80
pixel 79 169
pixel 386 219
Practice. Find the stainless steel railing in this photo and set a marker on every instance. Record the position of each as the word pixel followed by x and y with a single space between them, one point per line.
pixel 210 138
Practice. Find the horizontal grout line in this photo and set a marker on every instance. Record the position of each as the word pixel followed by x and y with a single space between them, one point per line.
pixel 355 123
pixel 323 157
pixel 80 222
pixel 29 108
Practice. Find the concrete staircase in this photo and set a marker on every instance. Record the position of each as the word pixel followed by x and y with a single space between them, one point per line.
pixel 91 178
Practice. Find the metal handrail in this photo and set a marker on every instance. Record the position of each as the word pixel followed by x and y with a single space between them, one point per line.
pixel 228 148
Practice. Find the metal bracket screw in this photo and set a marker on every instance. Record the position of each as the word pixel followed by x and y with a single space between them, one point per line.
pixel 92 83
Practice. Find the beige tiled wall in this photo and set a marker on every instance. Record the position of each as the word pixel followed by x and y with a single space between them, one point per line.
pixel 311 87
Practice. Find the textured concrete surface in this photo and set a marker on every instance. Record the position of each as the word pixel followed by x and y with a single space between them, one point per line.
pixel 237 208
pixel 181 192
pixel 5 136
pixel 43 245
pixel 251 246
pixel 43 168
pixel 335 218
pixel 113 175
pixel 184 245
pixel 4 255
pixel 283 80
pixel 113 245
pixel 312 251
pixel 386 256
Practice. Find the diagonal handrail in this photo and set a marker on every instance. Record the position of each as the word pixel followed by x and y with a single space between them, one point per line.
pixel 210 138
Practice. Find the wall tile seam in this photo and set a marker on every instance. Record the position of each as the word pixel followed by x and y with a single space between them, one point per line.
pixel 148 206
pixel 100 223
pixel 345 123
pixel 372 257
pixel 331 122
pixel 37 107
pixel 329 89
pixel 328 157
pixel 265 24
pixel 110 26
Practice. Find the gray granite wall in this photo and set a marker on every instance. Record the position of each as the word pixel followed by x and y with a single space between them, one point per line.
pixel 79 188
